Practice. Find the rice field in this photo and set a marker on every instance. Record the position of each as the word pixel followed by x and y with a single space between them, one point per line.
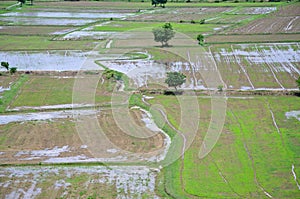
pixel 88 113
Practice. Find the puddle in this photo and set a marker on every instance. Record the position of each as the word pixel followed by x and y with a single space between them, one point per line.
pixel 141 72
pixel 295 114
pixel 5 119
pixel 88 34
pixel 129 181
pixel 81 15
pixel 4 89
pixel 48 60
pixel 36 154
pixel 256 10
pixel 46 21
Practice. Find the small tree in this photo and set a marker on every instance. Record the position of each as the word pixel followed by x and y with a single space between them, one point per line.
pixel 5 65
pixel 21 2
pixel 163 34
pixel 162 3
pixel 13 70
pixel 298 82
pixel 200 39
pixel 175 79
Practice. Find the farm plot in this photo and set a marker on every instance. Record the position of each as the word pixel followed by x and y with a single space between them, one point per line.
pixel 25 139
pixel 55 91
pixel 33 30
pixel 45 21
pixel 264 66
pixel 270 25
pixel 254 10
pixel 179 14
pixel 49 60
pixel 191 30
pixel 229 19
pixel 148 72
pixel 288 10
pixel 243 38
pixel 67 182
pixel 254 157
pixel 81 15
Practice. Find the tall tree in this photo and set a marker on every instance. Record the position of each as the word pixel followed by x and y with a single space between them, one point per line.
pixel 163 34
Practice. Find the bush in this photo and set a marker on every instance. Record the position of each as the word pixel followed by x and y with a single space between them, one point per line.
pixel 193 22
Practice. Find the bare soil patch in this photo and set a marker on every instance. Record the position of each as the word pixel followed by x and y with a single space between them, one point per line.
pixel 270 25
pixel 32 30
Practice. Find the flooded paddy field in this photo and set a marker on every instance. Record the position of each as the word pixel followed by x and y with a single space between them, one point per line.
pixel 116 138
pixel 278 65
pixel 45 21
pixel 81 15
pixel 49 60
pixel 61 181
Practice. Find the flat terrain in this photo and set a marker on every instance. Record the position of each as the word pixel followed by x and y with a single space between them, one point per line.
pixel 88 113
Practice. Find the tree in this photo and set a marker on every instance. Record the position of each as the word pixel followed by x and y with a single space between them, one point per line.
pixel 163 34
pixel 298 82
pixel 175 79
pixel 5 65
pixel 162 3
pixel 21 2
pixel 13 70
pixel 200 39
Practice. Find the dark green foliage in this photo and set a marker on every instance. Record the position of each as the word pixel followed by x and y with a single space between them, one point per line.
pixel 13 70
pixel 298 82
pixel 200 39
pixel 5 65
pixel 175 79
pixel 22 2
pixel 163 34
pixel 112 74
pixel 159 2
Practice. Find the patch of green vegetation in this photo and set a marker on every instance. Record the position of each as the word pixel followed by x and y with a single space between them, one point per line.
pixel 9 95
pixel 136 55
pixel 41 91
pixel 159 54
pixel 249 146
pixel 9 42
pixel 121 26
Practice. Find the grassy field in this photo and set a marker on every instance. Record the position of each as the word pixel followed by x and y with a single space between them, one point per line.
pixel 250 154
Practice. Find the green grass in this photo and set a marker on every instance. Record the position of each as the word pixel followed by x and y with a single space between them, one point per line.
pixel 9 95
pixel 120 26
pixel 248 124
pixel 41 43
pixel 186 28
